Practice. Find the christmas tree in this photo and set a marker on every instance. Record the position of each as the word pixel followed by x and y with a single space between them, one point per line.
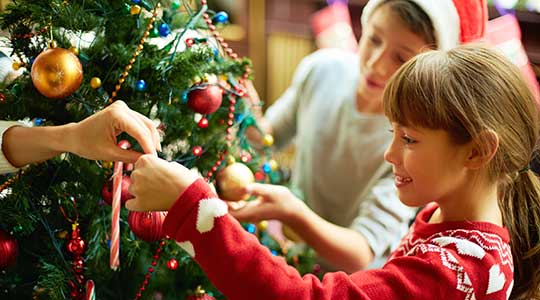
pixel 166 60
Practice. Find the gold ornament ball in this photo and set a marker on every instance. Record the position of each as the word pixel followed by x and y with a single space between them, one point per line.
pixel 268 140
pixel 56 73
pixel 135 10
pixel 262 226
pixel 95 82
pixel 107 164
pixel 273 164
pixel 232 180
pixel 230 160
pixel 74 50
pixel 16 66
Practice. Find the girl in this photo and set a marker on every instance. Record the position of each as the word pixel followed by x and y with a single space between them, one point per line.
pixel 464 130
pixel 333 109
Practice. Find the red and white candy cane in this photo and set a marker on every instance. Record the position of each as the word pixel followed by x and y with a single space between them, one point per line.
pixel 114 261
pixel 90 290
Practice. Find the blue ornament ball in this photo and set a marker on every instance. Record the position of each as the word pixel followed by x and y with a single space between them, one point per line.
pixel 184 97
pixel 251 228
pixel 136 1
pixel 164 29
pixel 267 168
pixel 140 85
pixel 221 17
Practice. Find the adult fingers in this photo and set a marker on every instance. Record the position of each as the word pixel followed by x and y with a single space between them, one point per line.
pixel 249 212
pixel 138 131
pixel 127 156
pixel 152 127
pixel 260 189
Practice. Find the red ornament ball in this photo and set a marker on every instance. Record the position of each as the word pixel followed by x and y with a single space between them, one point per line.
pixel 205 100
pixel 124 144
pixel 147 225
pixel 172 264
pixel 200 294
pixel 76 246
pixel 197 150
pixel 9 249
pixel 78 265
pixel 107 192
pixel 259 176
pixel 203 123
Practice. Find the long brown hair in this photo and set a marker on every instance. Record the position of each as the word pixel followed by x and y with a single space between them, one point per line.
pixel 466 91
pixel 415 18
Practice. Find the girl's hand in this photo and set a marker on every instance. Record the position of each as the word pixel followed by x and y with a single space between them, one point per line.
pixel 274 202
pixel 156 183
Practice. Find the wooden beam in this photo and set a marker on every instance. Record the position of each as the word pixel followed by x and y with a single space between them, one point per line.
pixel 257 43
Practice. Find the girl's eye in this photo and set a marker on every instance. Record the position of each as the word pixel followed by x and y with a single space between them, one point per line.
pixel 400 59
pixel 407 140
pixel 375 40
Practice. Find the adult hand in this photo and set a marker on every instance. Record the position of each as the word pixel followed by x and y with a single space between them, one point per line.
pixel 274 202
pixel 156 183
pixel 95 137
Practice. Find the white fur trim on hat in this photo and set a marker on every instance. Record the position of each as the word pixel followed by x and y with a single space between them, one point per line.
pixel 443 15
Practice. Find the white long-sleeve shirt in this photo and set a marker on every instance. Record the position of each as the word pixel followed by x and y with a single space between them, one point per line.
pixel 339 163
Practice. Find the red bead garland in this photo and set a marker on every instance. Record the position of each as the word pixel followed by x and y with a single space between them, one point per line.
pixel 150 270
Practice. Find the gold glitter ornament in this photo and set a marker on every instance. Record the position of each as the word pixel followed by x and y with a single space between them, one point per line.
pixel 56 73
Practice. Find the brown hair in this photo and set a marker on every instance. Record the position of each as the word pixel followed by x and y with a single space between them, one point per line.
pixel 415 18
pixel 466 91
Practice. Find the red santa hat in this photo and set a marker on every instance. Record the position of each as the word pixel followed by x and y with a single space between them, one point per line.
pixel 454 21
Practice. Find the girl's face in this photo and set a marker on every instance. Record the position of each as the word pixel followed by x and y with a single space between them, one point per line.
pixel 386 44
pixel 427 165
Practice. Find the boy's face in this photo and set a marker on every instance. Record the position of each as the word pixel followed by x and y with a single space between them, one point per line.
pixel 427 165
pixel 385 45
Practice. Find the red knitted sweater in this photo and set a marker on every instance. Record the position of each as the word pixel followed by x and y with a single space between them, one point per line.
pixel 451 260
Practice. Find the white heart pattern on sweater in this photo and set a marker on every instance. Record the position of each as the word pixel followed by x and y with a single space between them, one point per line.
pixel 464 247
pixel 209 209
pixel 188 247
pixel 496 280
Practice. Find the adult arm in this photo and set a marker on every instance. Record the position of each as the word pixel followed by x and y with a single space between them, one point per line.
pixel 92 138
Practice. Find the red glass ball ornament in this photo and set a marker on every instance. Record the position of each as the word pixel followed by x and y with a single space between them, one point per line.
pixel 107 192
pixel 259 176
pixel 76 246
pixel 205 100
pixel 172 264
pixel 78 265
pixel 147 225
pixel 197 150
pixel 203 123
pixel 124 144
pixel 190 42
pixel 9 249
pixel 200 294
